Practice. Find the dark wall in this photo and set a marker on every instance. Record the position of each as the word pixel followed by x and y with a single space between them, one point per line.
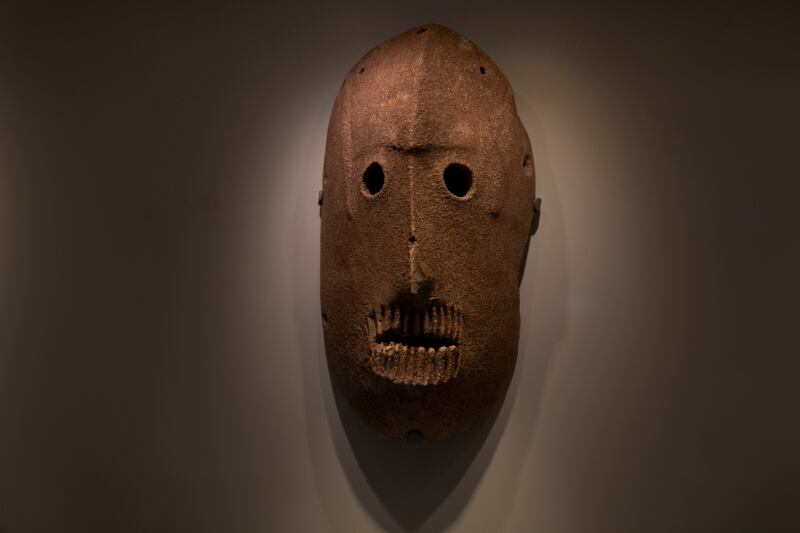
pixel 161 362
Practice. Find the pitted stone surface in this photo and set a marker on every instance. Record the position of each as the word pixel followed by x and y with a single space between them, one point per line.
pixel 429 194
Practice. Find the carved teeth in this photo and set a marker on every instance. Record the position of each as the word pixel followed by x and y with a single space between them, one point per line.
pixel 430 367
pixel 452 360
pixel 408 366
pixel 414 365
pixel 441 363
pixel 396 333
pixel 443 323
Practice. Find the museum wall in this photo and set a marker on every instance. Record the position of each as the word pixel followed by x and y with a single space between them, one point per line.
pixel 161 357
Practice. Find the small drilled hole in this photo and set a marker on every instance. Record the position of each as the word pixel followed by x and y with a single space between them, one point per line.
pixel 483 69
pixel 526 161
pixel 413 238
pixel 361 70
pixel 421 30
pixel 373 179
pixel 414 436
pixel 458 179
pixel 325 319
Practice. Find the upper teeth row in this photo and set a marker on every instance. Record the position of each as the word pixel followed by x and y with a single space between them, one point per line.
pixel 439 321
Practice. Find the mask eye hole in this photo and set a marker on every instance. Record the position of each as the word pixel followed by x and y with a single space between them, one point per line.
pixel 373 179
pixel 458 179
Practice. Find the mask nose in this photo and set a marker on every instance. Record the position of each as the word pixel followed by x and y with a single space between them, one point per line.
pixel 419 281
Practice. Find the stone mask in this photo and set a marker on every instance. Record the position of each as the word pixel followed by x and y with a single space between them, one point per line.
pixel 429 204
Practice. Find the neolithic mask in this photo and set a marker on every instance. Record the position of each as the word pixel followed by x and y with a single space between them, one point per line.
pixel 428 209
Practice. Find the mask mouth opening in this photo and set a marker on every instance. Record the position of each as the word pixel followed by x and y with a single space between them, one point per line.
pixel 415 344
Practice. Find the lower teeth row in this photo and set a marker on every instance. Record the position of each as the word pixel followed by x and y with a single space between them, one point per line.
pixel 414 365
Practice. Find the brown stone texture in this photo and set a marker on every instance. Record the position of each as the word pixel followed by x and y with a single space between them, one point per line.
pixel 427 207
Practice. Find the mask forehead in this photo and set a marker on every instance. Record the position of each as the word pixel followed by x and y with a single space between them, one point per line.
pixel 430 88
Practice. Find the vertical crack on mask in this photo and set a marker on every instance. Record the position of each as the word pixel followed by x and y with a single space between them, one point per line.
pixel 415 345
